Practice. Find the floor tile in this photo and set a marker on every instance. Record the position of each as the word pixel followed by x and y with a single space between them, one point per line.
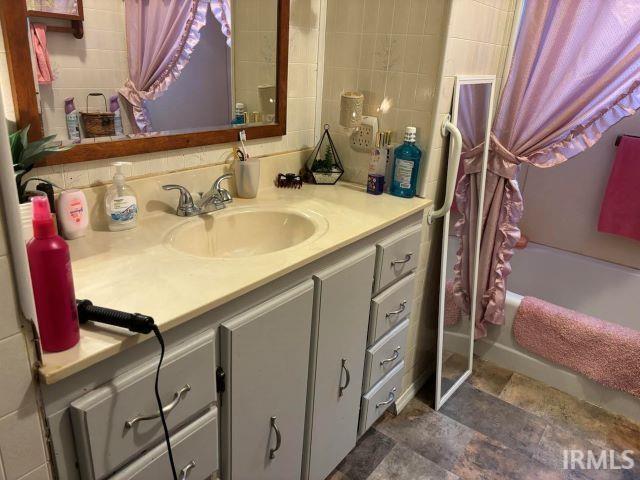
pixel 337 475
pixel 371 449
pixel 558 440
pixel 403 463
pixel 489 377
pixel 596 424
pixel 429 433
pixel 495 418
pixel 487 459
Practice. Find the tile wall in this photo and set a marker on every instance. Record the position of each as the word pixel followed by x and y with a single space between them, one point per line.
pixel 255 36
pixel 386 49
pixel 22 454
pixel 96 63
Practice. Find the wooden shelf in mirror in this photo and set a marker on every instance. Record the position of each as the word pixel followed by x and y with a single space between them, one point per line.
pixel 14 15
pixel 76 27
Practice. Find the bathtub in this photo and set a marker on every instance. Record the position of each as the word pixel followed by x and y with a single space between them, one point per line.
pixel 597 288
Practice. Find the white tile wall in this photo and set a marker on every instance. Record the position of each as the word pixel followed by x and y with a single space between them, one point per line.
pixel 22 452
pixel 95 63
pixel 385 49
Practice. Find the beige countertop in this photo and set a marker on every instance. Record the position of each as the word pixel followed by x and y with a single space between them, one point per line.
pixel 138 271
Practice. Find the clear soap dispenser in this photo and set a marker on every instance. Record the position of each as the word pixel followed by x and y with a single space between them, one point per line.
pixel 121 202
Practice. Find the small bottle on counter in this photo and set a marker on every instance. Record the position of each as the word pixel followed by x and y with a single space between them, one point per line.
pixel 52 281
pixel 114 107
pixel 73 213
pixel 377 178
pixel 121 202
pixel 405 166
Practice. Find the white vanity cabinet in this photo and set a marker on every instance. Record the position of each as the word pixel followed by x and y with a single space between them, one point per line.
pixel 276 384
pixel 265 357
pixel 341 318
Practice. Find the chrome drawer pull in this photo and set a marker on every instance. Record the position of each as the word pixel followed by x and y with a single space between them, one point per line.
pixel 184 473
pixel 396 354
pixel 272 451
pixel 392 398
pixel 341 388
pixel 403 307
pixel 174 403
pixel 407 258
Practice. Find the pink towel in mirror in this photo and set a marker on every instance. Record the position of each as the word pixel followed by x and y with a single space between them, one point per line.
pixel 39 38
pixel 620 211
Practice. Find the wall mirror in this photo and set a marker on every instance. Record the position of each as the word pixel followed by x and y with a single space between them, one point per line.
pixel 147 76
pixel 471 115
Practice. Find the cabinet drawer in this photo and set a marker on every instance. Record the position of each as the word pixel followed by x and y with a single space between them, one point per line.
pixel 380 397
pixel 385 355
pixel 108 422
pixel 390 308
pixel 195 454
pixel 396 257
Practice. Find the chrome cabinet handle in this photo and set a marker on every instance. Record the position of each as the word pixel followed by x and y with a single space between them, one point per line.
pixel 174 403
pixel 403 307
pixel 391 399
pixel 396 354
pixel 184 473
pixel 347 380
pixel 407 258
pixel 272 451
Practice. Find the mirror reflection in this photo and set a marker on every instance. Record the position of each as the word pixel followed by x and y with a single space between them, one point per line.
pixel 473 109
pixel 145 68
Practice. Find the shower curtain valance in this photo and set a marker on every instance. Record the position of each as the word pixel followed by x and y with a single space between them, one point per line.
pixel 575 73
pixel 161 37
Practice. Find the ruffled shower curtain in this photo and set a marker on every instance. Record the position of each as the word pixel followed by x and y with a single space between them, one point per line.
pixel 575 73
pixel 161 36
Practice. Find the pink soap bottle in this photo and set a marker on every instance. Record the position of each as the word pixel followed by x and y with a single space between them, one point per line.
pixel 52 280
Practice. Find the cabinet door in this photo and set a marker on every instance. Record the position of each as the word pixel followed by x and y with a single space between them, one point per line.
pixel 265 357
pixel 341 319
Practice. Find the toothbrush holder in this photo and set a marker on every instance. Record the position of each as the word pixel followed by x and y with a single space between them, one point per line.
pixel 247 175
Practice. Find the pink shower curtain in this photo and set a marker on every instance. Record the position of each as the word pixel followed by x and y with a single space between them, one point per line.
pixel 161 36
pixel 575 73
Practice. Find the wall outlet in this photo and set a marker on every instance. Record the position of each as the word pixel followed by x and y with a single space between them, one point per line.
pixel 363 139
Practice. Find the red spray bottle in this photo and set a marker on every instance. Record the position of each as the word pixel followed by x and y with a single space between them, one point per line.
pixel 50 266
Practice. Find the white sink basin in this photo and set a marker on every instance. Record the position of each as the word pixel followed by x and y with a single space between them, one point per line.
pixel 246 232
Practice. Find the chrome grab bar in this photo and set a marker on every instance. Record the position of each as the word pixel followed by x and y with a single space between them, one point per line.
pixel 452 171
pixel 184 473
pixel 341 388
pixel 403 307
pixel 391 399
pixel 272 451
pixel 396 354
pixel 174 403
pixel 407 258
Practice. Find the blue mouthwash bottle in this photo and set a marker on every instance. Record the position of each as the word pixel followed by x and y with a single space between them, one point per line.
pixel 405 166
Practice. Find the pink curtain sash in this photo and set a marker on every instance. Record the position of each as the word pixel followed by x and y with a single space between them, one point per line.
pixel 189 40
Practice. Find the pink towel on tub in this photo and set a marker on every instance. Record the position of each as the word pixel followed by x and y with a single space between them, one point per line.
pixel 602 351
pixel 39 39
pixel 620 211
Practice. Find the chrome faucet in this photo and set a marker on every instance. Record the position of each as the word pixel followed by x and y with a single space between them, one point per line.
pixel 214 199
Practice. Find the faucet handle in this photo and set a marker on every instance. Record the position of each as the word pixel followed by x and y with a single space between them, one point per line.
pixel 186 207
pixel 224 194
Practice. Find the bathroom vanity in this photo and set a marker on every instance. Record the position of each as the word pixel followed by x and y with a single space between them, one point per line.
pixel 275 361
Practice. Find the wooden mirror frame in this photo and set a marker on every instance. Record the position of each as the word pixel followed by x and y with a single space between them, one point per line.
pixel 13 16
